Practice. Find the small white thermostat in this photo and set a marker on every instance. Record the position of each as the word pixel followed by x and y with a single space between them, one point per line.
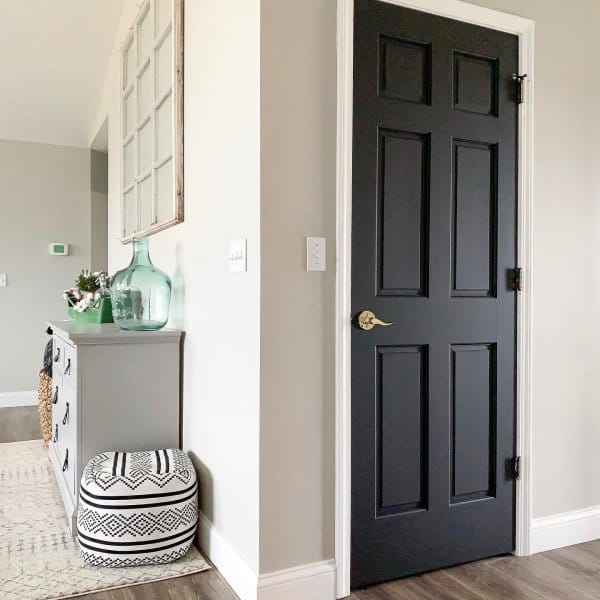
pixel 59 248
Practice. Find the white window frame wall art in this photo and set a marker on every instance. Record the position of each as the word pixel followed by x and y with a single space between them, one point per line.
pixel 151 123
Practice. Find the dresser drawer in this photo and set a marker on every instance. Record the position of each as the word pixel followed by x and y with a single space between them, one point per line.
pixel 58 354
pixel 64 360
pixel 66 466
pixel 70 366
pixel 64 427
pixel 67 417
pixel 57 404
pixel 61 435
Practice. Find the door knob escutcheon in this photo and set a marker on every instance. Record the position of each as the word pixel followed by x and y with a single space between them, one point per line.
pixel 367 320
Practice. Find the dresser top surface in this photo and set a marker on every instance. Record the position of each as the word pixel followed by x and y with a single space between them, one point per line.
pixel 109 333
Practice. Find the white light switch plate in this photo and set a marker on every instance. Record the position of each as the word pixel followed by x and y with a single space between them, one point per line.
pixel 238 262
pixel 2 279
pixel 315 254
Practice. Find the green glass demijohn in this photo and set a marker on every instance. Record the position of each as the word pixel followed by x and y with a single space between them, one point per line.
pixel 141 293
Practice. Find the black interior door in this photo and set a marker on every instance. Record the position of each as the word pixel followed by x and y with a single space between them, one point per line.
pixel 434 236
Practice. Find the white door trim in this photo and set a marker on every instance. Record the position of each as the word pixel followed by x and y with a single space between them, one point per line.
pixel 524 29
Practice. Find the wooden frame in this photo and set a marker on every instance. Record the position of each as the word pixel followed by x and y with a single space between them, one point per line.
pixel 524 29
pixel 174 94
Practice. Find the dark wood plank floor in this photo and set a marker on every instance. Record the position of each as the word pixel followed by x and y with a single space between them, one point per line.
pixel 208 585
pixel 571 573
pixel 566 574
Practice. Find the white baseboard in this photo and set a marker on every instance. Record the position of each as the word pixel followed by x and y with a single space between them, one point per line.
pixel 565 529
pixel 12 399
pixel 315 581
pixel 230 564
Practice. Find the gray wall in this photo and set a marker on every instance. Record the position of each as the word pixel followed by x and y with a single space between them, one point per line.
pixel 298 87
pixel 296 313
pixel 44 197
pixel 566 244
pixel 99 210
pixel 298 150
pixel 219 310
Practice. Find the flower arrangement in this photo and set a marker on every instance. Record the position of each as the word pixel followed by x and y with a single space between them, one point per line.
pixel 89 293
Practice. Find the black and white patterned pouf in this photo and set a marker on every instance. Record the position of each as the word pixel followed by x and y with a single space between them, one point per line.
pixel 137 508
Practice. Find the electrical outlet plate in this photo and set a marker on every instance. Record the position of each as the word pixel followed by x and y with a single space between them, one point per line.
pixel 2 279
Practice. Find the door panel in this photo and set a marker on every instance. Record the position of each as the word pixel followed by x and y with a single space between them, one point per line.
pixel 405 69
pixel 474 213
pixel 473 422
pixel 475 83
pixel 433 234
pixel 403 213
pixel 402 461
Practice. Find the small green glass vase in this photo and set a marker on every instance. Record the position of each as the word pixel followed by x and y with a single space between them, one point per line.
pixel 141 293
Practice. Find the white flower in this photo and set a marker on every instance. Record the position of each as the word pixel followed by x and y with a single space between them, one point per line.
pixel 84 301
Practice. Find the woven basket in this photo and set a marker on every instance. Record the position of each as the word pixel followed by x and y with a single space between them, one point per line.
pixel 45 406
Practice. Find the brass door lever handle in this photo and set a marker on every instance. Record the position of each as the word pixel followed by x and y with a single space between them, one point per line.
pixel 367 320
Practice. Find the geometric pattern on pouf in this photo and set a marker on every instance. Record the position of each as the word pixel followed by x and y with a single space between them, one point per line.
pixel 137 508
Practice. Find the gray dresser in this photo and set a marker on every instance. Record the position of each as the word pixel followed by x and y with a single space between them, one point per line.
pixel 112 390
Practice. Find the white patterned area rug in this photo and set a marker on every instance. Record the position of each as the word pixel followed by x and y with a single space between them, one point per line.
pixel 39 560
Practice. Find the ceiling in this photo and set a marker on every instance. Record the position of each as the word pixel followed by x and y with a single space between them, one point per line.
pixel 53 60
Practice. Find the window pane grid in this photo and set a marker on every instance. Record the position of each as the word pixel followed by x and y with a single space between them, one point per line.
pixel 147 120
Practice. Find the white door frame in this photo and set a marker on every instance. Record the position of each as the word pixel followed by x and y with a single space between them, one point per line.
pixel 524 29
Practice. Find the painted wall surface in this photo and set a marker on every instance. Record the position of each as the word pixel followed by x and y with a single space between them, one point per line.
pixel 219 311
pixel 44 198
pixel 99 210
pixel 54 56
pixel 298 179
pixel 566 239
pixel 260 162
pixel 298 154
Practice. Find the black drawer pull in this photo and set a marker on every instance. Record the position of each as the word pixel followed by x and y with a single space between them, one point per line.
pixel 66 417
pixel 68 367
pixel 57 355
pixel 66 463
pixel 55 397
pixel 56 433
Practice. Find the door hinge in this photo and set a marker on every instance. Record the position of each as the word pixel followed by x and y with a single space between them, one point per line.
pixel 519 87
pixel 515 467
pixel 515 277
